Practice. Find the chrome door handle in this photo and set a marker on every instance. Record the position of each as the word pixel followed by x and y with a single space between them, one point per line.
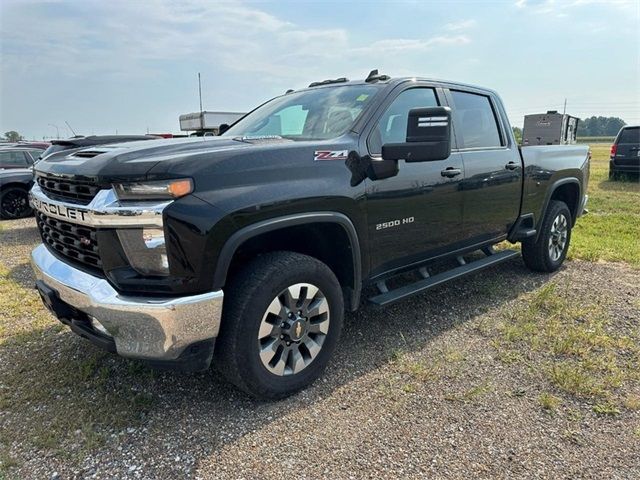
pixel 450 172
pixel 511 166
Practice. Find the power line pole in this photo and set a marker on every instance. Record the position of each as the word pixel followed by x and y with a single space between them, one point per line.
pixel 200 91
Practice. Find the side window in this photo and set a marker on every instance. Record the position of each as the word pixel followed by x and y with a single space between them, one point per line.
pixel 13 159
pixel 477 121
pixel 392 125
pixel 35 154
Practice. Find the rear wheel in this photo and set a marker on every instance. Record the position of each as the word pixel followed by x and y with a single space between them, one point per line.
pixel 282 318
pixel 14 203
pixel 547 253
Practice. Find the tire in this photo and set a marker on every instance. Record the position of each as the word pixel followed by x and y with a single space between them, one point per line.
pixel 14 203
pixel 547 253
pixel 257 323
pixel 613 175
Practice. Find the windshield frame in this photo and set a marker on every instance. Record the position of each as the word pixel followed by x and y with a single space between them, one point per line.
pixel 373 91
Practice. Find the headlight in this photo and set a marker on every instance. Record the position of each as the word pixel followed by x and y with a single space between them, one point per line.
pixel 145 249
pixel 164 189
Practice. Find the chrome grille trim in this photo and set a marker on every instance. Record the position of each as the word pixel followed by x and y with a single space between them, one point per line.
pixel 67 190
pixel 105 210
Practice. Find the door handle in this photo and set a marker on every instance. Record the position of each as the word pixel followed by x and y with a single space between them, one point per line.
pixel 511 166
pixel 450 172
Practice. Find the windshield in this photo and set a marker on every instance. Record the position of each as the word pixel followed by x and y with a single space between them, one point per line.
pixel 317 114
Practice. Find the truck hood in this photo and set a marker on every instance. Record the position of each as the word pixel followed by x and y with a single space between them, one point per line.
pixel 149 160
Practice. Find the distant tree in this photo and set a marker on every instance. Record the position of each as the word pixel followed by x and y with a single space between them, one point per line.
pixel 12 136
pixel 600 126
pixel 517 132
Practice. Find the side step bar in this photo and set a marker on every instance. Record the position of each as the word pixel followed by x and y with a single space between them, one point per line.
pixel 435 280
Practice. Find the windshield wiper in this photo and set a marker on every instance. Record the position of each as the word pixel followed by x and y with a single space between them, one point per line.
pixel 253 138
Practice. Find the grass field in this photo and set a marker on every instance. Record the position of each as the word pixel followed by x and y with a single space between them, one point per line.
pixel 559 351
pixel 611 230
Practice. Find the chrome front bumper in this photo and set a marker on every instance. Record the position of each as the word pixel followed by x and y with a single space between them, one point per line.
pixel 142 327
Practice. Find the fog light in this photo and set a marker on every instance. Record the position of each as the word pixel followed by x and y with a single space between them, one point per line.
pixel 99 327
pixel 145 249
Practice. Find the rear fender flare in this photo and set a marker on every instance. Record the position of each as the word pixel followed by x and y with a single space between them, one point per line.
pixel 550 191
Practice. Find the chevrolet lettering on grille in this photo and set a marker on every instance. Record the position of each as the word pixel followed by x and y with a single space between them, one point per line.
pixel 59 211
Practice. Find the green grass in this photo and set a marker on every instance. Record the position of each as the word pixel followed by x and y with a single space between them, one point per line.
pixel 59 392
pixel 611 230
pixel 607 140
pixel 549 402
pixel 576 348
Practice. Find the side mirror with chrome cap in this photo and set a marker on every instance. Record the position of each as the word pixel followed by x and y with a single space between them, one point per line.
pixel 428 137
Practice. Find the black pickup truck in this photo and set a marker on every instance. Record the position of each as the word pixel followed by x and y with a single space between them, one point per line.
pixel 244 250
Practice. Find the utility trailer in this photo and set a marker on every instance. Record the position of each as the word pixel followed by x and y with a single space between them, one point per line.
pixel 207 123
pixel 551 128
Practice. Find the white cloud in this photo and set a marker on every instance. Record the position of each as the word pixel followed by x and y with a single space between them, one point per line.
pixel 131 39
pixel 553 6
pixel 461 25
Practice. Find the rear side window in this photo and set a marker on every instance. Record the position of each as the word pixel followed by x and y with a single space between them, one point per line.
pixel 476 120
pixel 630 135
pixel 13 159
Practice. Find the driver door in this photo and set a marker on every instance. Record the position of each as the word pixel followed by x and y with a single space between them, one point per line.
pixel 418 213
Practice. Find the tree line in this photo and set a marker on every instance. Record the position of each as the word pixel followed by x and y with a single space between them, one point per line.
pixel 600 126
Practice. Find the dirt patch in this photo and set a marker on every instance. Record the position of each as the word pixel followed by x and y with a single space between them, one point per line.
pixel 504 374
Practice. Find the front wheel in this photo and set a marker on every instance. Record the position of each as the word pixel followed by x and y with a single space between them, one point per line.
pixel 282 318
pixel 547 253
pixel 14 203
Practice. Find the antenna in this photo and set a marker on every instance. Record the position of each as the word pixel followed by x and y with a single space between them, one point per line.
pixel 200 91
pixel 70 128
pixel 565 107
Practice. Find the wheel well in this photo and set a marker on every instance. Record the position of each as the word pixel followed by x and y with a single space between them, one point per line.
pixel 326 241
pixel 569 193
pixel 14 184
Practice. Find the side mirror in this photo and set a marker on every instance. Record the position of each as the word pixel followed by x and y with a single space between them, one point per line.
pixel 428 137
pixel 223 128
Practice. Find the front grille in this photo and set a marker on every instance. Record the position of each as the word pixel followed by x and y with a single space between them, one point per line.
pixel 75 242
pixel 64 189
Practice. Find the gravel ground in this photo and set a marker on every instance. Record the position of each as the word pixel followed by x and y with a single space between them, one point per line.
pixel 422 388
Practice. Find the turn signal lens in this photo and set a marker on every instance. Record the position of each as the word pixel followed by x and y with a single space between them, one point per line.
pixel 180 188
pixel 163 189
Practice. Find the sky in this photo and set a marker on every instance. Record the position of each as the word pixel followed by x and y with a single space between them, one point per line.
pixel 131 67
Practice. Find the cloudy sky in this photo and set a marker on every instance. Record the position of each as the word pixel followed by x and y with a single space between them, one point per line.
pixel 132 66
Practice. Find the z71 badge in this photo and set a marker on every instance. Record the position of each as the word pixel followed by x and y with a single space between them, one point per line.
pixel 331 154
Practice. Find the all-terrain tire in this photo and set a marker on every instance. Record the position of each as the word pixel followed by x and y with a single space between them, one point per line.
pixel 547 253
pixel 262 287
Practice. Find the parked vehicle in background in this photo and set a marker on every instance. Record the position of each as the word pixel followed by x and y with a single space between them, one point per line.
pixel 208 124
pixel 92 140
pixel 245 249
pixel 551 128
pixel 625 153
pixel 16 178
pixel 36 145
pixel 16 173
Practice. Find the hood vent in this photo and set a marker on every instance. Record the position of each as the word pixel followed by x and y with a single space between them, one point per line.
pixel 88 153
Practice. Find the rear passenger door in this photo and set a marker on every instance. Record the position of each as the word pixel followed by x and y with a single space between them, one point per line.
pixel 13 159
pixel 492 184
